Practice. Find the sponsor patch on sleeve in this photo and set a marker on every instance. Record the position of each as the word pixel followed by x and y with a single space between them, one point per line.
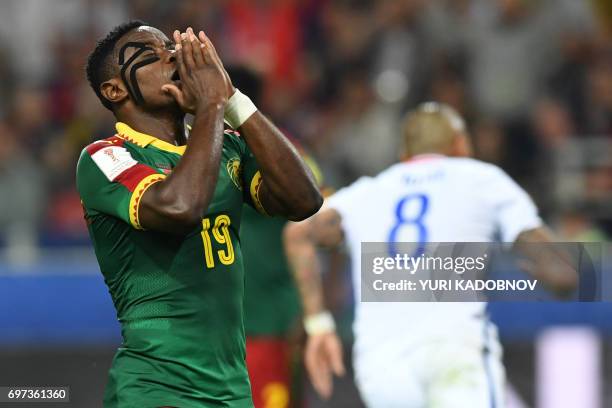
pixel 113 161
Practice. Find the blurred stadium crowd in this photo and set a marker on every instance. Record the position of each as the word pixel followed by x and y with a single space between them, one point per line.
pixel 533 78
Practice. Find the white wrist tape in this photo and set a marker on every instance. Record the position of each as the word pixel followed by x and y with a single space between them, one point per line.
pixel 319 324
pixel 238 109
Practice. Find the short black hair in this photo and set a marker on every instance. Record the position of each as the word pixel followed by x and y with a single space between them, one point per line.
pixel 100 67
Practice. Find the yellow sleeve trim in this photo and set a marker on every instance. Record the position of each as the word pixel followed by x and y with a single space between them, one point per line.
pixel 314 167
pixel 255 186
pixel 139 191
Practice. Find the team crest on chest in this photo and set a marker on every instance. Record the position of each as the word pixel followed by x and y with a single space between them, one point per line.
pixel 234 169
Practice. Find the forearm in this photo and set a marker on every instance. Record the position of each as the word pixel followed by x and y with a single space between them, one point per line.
pixel 287 178
pixel 303 261
pixel 550 263
pixel 178 203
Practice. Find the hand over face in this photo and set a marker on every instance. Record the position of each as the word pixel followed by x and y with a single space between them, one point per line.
pixel 203 80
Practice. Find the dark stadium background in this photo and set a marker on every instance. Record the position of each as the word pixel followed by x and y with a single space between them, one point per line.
pixel 533 78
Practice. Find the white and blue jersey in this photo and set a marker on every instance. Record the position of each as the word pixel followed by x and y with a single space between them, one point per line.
pixel 431 198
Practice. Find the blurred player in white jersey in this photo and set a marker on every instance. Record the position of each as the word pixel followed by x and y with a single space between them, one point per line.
pixel 417 354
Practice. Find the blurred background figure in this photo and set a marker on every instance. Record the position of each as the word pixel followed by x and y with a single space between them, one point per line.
pixel 532 78
pixel 22 201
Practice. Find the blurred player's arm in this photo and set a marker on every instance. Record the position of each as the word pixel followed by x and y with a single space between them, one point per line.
pixel 323 355
pixel 518 220
pixel 547 262
pixel 301 241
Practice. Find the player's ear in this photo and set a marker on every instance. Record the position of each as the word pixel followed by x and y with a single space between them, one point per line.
pixel 114 90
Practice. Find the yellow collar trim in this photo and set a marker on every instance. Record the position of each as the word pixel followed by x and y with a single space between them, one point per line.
pixel 143 140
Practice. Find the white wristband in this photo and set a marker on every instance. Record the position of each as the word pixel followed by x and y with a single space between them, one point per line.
pixel 319 324
pixel 238 109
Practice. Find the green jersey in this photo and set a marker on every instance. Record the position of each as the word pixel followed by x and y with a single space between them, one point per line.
pixel 271 302
pixel 178 299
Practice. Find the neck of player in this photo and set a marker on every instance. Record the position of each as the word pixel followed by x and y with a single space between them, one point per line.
pixel 168 127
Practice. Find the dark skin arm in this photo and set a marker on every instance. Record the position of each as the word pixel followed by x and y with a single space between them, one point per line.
pixel 288 188
pixel 177 203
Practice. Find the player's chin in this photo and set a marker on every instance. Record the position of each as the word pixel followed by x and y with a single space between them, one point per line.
pixel 163 102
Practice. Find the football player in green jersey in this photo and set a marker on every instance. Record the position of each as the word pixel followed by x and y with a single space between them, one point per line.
pixel 164 211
